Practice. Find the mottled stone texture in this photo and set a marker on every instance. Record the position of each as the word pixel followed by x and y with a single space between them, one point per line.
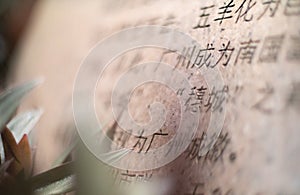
pixel 257 152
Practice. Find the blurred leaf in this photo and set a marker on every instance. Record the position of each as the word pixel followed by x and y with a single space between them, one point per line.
pixel 11 151
pixel 59 187
pixel 94 176
pixel 9 144
pixel 62 158
pixel 115 156
pixel 52 175
pixel 25 154
pixel 10 100
pixel 4 167
pixel 24 123
pixel 4 5
pixel 20 152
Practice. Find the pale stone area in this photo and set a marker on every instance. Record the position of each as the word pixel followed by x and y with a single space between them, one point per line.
pixel 258 149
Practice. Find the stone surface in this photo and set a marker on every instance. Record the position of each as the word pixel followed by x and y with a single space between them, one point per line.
pixel 257 151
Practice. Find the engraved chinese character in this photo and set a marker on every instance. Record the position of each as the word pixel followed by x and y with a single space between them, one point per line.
pixel 225 11
pixel 197 145
pixel 170 20
pixel 180 91
pixel 226 52
pixel 216 99
pixel 195 101
pixel 203 17
pixel 218 149
pixel 217 191
pixel 246 51
pixel 163 55
pixel 144 177
pixel 141 141
pixel 261 104
pixel 159 134
pixel 197 187
pixel 243 11
pixel 292 8
pixel 271 48
pixel 185 58
pixel 204 56
pixel 270 6
pixel 126 178
pixel 294 49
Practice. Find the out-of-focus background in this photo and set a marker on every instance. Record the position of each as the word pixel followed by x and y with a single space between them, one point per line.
pixel 258 149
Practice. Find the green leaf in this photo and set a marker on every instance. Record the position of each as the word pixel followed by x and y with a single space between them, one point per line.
pixel 59 187
pixel 10 100
pixel 24 123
